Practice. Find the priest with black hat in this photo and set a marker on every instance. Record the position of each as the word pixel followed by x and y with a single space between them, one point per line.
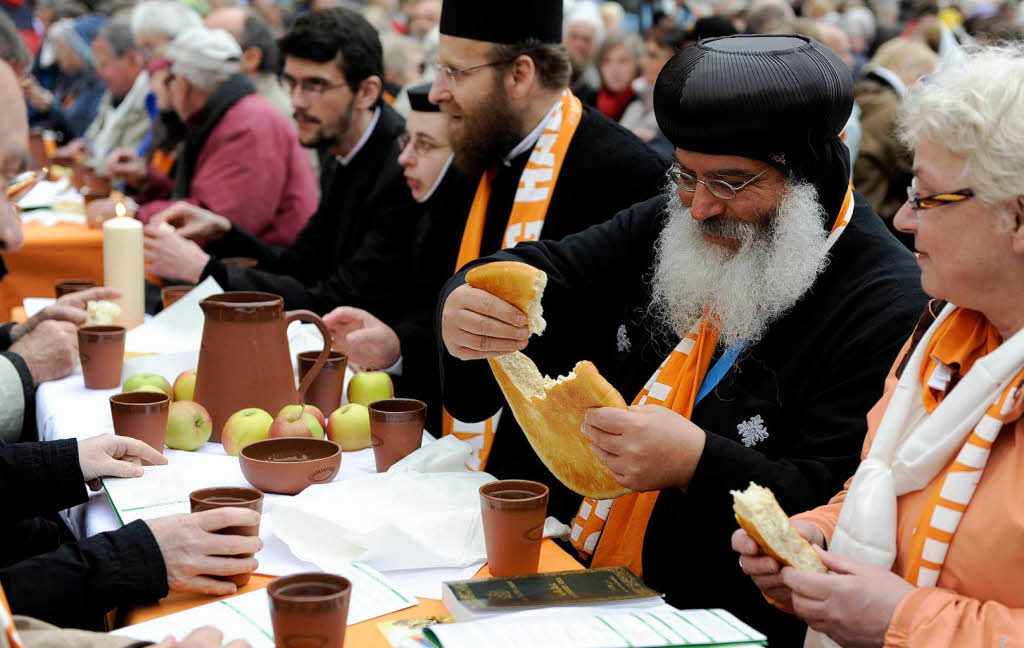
pixel 545 165
pixel 758 303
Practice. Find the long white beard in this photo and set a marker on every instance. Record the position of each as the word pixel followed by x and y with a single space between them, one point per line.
pixel 742 291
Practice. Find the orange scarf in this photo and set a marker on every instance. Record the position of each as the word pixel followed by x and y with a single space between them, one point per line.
pixel 964 337
pixel 675 384
pixel 536 186
pixel 7 622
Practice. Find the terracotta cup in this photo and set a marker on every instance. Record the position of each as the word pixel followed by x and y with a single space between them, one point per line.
pixel 141 415
pixel 396 427
pixel 36 148
pixel 324 392
pixel 68 286
pixel 171 294
pixel 513 514
pixel 245 262
pixel 205 499
pixel 309 610
pixel 101 349
pixel 98 184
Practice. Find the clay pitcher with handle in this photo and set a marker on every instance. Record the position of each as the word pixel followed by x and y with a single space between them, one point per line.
pixel 244 359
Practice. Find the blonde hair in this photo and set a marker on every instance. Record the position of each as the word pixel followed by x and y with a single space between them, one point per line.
pixel 907 58
pixel 975 109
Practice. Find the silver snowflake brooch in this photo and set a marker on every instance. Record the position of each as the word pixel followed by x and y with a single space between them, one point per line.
pixel 622 338
pixel 752 431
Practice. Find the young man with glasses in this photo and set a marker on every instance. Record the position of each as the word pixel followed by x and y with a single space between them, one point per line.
pixel 763 302
pixel 355 249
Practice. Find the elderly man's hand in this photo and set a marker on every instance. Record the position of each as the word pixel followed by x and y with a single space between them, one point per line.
pixel 368 342
pixel 193 552
pixel 853 605
pixel 49 350
pixel 125 164
pixel 764 570
pixel 109 455
pixel 192 222
pixel 647 447
pixel 69 308
pixel 205 637
pixel 475 324
pixel 173 257
pixel 99 211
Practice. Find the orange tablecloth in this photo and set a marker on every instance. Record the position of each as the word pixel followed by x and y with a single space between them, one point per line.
pixel 361 635
pixel 50 253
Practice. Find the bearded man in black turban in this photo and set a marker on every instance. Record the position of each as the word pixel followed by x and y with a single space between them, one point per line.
pixel 757 304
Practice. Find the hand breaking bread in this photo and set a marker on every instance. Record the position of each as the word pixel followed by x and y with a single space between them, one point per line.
pixel 550 413
pixel 101 313
pixel 517 283
pixel 763 519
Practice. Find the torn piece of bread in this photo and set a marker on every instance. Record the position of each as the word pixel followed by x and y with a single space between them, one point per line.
pixel 763 519
pixel 519 284
pixel 101 313
pixel 550 413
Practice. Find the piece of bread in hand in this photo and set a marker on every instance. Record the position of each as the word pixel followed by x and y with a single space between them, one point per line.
pixel 519 284
pixel 550 413
pixel 763 519
pixel 101 313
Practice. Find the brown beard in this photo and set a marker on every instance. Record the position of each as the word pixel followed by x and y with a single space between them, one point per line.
pixel 327 138
pixel 488 135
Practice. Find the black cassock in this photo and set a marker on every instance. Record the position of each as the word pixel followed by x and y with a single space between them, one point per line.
pixel 789 415
pixel 355 249
pixel 606 169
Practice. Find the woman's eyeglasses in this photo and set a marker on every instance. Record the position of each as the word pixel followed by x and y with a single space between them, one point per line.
pixel 923 203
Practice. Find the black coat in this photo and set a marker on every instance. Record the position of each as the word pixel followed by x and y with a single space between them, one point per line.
pixel 811 379
pixel 355 249
pixel 44 571
pixel 606 169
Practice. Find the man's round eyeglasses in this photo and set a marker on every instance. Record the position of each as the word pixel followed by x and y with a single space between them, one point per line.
pixel 924 203
pixel 718 188
pixel 310 87
pixel 448 74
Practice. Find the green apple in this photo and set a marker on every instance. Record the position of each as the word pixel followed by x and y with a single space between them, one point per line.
pixel 296 422
pixel 151 388
pixel 293 411
pixel 349 427
pixel 185 385
pixel 244 427
pixel 189 425
pixel 135 383
pixel 368 386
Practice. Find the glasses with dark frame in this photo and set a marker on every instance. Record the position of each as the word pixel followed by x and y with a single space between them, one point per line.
pixel 924 203
pixel 448 74
pixel 311 87
pixel 420 146
pixel 718 188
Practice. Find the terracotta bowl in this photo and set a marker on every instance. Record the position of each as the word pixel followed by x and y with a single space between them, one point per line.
pixel 289 464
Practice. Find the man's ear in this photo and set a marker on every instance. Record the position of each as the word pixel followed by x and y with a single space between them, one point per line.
pixel 252 57
pixel 523 78
pixel 369 92
pixel 1017 216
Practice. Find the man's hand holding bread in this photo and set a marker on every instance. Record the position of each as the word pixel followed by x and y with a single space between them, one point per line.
pixel 475 325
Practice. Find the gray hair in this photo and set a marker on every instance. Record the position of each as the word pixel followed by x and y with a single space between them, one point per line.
pixel 205 57
pixel 770 17
pixel 118 32
pixel 975 109
pixel 628 40
pixel 166 18
pixel 400 52
pixel 12 48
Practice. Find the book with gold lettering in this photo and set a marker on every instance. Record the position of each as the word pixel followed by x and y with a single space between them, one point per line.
pixel 473 599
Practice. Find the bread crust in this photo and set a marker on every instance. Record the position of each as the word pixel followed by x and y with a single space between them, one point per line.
pixel 552 423
pixel 811 561
pixel 511 281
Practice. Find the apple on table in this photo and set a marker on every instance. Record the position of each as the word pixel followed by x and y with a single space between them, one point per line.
pixel 298 421
pixel 349 427
pixel 137 381
pixel 185 385
pixel 367 386
pixel 244 427
pixel 189 425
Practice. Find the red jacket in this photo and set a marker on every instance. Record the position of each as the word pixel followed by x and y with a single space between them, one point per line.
pixel 253 171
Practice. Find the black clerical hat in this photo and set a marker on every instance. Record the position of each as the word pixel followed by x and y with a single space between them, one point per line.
pixel 508 22
pixel 419 99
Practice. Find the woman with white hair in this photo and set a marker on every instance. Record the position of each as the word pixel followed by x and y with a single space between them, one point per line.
pixel 926 543
pixel 155 23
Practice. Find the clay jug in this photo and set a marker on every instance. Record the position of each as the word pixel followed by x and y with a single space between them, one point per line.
pixel 244 359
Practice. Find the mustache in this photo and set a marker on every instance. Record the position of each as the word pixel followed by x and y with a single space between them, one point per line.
pixel 733 229
pixel 302 114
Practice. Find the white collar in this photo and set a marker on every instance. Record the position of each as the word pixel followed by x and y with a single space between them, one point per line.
pixel 437 183
pixel 893 80
pixel 345 159
pixel 531 139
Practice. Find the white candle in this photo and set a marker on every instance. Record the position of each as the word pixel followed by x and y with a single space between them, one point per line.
pixel 123 266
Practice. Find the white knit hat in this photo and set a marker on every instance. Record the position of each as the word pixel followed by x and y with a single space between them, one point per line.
pixel 199 52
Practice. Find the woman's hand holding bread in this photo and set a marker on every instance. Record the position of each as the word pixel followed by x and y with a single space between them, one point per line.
pixel 475 324
pixel 764 570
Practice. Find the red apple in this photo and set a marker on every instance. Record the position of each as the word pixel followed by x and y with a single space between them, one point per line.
pixel 296 423
pixel 295 410
pixel 349 427
pixel 244 427
pixel 185 385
